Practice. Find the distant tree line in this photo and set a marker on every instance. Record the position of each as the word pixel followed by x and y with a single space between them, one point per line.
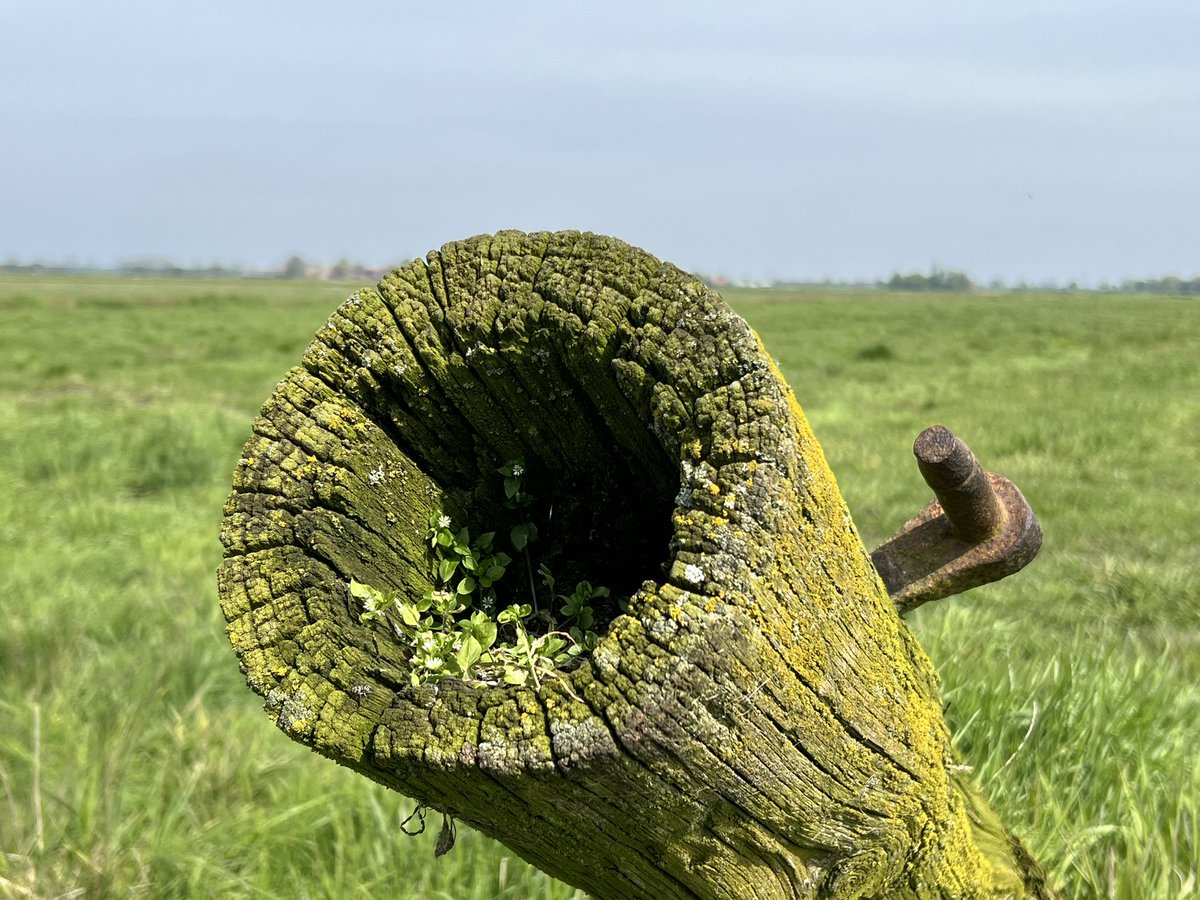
pixel 294 267
pixel 938 279
pixel 342 270
pixel 1168 285
pixel 297 267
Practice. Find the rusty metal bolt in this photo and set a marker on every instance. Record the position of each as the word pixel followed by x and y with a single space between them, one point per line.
pixel 960 484
pixel 979 529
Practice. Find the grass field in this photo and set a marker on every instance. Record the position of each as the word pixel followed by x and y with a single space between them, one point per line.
pixel 135 762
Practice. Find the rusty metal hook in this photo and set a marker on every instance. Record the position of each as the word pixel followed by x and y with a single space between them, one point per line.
pixel 979 529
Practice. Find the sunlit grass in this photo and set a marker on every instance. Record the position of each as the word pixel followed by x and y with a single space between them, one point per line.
pixel 134 761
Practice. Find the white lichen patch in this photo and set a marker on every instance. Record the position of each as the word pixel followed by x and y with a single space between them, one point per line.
pixel 606 660
pixel 295 714
pixel 572 740
pixel 663 629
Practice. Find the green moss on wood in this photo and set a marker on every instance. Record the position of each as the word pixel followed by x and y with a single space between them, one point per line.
pixel 760 724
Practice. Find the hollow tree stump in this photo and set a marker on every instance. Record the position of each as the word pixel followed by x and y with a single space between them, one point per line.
pixel 760 723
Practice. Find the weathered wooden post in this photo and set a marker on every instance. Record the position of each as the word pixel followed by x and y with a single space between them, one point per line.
pixel 760 723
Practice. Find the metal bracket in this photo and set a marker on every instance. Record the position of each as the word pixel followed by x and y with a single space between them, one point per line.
pixel 979 529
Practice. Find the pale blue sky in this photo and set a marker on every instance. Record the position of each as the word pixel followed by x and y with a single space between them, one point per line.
pixel 1028 140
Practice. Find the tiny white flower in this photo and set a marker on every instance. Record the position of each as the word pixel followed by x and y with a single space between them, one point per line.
pixel 370 604
pixel 518 470
pixel 428 645
pixel 443 521
pixel 433 663
pixel 694 574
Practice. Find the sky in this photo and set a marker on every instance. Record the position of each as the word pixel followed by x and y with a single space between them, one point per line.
pixel 1057 139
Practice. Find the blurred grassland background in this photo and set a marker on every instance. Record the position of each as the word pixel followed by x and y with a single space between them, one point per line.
pixel 135 762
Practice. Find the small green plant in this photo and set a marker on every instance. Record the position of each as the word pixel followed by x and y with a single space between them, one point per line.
pixel 460 628
pixel 577 612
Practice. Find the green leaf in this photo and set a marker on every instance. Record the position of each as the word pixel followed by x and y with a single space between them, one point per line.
pixel 491 574
pixel 547 578
pixel 468 654
pixel 446 569
pixel 486 634
pixel 519 535
pixel 410 615
pixel 361 591
pixel 444 538
pixel 469 563
pixel 466 585
pixel 485 540
pixel 511 487
pixel 513 675
pixel 514 613
pixel 481 628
